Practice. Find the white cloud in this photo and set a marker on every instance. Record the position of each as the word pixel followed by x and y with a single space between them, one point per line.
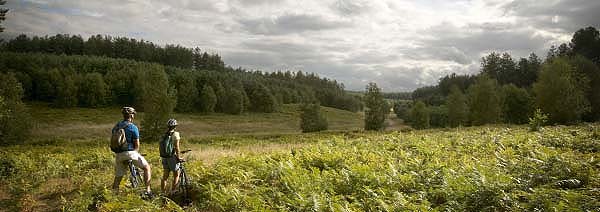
pixel 399 44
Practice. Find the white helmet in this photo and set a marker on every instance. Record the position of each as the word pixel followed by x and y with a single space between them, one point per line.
pixel 127 110
pixel 172 123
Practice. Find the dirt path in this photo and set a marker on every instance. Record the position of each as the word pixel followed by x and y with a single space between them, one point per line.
pixel 394 123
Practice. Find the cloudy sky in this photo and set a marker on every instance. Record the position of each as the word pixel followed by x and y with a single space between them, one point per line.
pixel 399 44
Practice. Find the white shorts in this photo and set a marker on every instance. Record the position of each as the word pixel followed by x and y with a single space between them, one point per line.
pixel 121 158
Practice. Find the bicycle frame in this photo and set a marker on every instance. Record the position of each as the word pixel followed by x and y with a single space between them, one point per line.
pixel 135 177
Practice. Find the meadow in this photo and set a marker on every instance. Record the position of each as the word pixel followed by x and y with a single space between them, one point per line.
pixel 260 162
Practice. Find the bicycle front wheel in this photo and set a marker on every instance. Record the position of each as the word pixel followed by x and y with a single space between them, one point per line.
pixel 183 183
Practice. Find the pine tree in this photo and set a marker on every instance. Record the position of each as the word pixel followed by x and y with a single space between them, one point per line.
pixel 158 102
pixel 376 108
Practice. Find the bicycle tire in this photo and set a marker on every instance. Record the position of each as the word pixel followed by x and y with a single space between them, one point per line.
pixel 133 176
pixel 183 184
pixel 138 176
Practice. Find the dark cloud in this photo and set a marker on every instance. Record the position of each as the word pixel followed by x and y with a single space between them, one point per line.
pixel 562 15
pixel 290 23
pixel 463 44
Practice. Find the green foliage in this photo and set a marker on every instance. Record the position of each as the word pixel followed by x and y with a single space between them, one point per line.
pixel 187 94
pixel 560 92
pixel 376 108
pixel 158 102
pixel 517 104
pixel 538 120
pixel 586 68
pixel 311 118
pixel 475 169
pixel 15 121
pixel 261 98
pixel 484 101
pixel 234 101
pixel 40 74
pixel 208 99
pixel 419 116
pixel 458 112
pixel 438 116
pixel 92 90
pixel 402 110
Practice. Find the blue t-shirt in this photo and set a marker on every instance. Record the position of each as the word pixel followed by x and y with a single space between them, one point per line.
pixel 131 133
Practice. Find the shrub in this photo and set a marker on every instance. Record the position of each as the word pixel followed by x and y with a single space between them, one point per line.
pixel 311 119
pixel 15 121
pixel 537 120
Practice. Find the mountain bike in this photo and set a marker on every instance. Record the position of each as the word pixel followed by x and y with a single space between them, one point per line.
pixel 135 176
pixel 184 181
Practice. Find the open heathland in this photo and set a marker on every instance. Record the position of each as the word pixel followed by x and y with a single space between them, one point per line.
pixel 495 168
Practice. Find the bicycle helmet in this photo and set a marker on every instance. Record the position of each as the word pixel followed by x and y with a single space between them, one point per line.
pixel 172 123
pixel 128 110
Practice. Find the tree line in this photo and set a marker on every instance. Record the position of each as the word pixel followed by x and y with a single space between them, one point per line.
pixel 564 86
pixel 200 77
pixel 83 81
pixel 116 47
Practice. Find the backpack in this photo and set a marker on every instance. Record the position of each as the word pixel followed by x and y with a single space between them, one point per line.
pixel 166 147
pixel 118 141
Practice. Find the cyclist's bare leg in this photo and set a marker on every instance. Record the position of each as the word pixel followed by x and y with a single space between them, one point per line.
pixel 163 181
pixel 147 176
pixel 175 180
pixel 116 183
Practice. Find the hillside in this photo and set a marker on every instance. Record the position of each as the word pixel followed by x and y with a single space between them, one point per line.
pixel 81 123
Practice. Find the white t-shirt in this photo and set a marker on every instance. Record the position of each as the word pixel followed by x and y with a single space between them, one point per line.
pixel 176 136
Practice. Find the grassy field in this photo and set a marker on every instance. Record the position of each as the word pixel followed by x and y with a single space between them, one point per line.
pixel 84 123
pixel 490 168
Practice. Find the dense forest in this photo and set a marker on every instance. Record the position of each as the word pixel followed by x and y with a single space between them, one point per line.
pixel 68 71
pixel 564 86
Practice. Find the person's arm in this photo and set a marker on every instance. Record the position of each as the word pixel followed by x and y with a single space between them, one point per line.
pixel 177 149
pixel 136 138
pixel 136 144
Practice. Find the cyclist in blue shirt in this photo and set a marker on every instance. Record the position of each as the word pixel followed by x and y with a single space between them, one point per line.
pixel 132 136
